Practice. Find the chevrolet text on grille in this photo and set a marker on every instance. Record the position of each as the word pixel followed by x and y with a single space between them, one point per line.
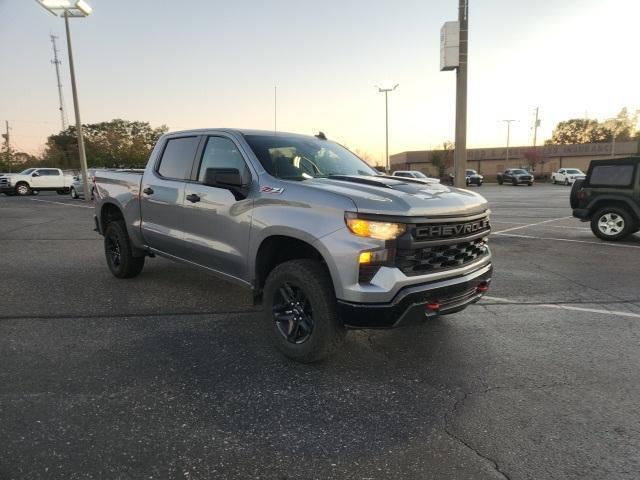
pixel 453 230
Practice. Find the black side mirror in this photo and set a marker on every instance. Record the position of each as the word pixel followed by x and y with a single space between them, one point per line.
pixel 223 177
pixel 35 174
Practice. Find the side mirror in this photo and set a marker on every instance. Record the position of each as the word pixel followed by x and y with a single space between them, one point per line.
pixel 223 177
pixel 35 174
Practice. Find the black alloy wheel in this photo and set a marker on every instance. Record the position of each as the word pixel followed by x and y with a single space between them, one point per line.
pixel 292 313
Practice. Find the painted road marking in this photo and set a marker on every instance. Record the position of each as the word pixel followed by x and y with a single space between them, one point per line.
pixel 59 203
pixel 606 244
pixel 566 307
pixel 531 225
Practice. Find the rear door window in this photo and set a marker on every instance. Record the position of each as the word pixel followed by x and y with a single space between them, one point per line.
pixel 177 158
pixel 612 176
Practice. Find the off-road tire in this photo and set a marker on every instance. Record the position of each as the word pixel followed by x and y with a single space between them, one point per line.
pixel 23 189
pixel 126 266
pixel 313 279
pixel 627 227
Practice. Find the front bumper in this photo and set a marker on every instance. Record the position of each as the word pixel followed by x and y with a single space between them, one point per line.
pixel 409 306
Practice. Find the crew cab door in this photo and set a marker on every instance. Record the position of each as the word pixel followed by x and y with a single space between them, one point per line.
pixel 162 195
pixel 217 219
pixel 46 178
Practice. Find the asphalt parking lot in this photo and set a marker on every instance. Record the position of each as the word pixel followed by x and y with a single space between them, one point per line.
pixel 169 375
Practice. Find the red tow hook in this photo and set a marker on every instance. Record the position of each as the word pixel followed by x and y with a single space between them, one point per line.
pixel 482 287
pixel 433 306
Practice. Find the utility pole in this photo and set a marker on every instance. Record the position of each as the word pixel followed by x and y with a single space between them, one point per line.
pixel 460 151
pixel 508 122
pixel 386 124
pixel 56 62
pixel 536 124
pixel 7 144
pixel 275 109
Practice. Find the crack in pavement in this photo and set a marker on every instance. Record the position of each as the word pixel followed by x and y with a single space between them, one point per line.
pixel 460 401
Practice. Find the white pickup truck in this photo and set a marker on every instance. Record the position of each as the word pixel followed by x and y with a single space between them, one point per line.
pixel 33 180
pixel 567 176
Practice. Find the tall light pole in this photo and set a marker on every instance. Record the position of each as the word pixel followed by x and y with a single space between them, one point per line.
pixel 508 122
pixel 460 150
pixel 68 9
pixel 386 122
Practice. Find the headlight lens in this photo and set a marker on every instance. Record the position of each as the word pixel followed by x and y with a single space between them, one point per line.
pixel 373 229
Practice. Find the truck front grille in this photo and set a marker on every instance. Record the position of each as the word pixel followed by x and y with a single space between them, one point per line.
pixel 421 261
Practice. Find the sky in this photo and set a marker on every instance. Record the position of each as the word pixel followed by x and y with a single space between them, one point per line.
pixel 215 64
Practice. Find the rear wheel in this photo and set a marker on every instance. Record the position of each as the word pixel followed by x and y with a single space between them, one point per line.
pixel 23 189
pixel 117 249
pixel 300 307
pixel 612 223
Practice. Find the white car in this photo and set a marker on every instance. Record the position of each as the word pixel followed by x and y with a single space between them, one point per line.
pixel 567 176
pixel 415 175
pixel 33 180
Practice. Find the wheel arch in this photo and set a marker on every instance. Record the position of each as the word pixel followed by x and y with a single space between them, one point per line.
pixel 615 201
pixel 279 248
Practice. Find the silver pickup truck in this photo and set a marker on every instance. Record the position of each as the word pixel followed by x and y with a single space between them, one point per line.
pixel 324 241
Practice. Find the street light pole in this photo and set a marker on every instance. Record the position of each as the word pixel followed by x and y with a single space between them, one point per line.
pixel 66 9
pixel 76 108
pixel 460 150
pixel 508 122
pixel 386 123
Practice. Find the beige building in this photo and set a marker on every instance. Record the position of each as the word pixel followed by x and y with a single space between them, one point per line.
pixel 490 161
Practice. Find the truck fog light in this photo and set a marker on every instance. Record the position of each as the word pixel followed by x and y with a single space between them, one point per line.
pixel 365 257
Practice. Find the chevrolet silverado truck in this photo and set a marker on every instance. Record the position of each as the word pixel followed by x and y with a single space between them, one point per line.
pixel 34 180
pixel 325 242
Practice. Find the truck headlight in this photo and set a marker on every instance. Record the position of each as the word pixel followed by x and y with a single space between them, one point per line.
pixel 374 229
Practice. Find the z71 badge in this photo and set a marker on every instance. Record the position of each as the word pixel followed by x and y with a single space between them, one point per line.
pixel 275 190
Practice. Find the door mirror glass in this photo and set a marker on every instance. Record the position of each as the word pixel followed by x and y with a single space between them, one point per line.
pixel 222 177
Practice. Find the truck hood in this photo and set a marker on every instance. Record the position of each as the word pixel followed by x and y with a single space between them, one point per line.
pixel 391 196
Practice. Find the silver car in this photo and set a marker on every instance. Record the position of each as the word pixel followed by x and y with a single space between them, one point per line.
pixel 77 187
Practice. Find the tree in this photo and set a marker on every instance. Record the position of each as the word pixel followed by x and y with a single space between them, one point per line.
pixel 443 160
pixel 533 158
pixel 588 130
pixel 117 143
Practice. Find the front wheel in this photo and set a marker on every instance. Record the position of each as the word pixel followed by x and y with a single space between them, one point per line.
pixel 566 182
pixel 500 181
pixel 612 223
pixel 117 250
pixel 530 184
pixel 74 194
pixel 23 189
pixel 300 306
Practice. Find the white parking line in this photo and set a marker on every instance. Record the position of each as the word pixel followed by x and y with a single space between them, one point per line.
pixel 531 225
pixel 59 203
pixel 605 244
pixel 568 307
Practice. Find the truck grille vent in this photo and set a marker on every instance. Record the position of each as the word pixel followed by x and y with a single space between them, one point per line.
pixel 430 259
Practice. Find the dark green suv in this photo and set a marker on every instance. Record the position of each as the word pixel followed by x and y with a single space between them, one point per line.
pixel 609 197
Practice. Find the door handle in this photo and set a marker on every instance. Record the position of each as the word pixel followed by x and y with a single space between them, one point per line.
pixel 148 191
pixel 193 198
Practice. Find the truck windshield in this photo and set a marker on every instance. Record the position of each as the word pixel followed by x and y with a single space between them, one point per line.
pixel 301 158
pixel 27 171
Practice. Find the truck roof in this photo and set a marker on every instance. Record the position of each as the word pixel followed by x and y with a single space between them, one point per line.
pixel 240 131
